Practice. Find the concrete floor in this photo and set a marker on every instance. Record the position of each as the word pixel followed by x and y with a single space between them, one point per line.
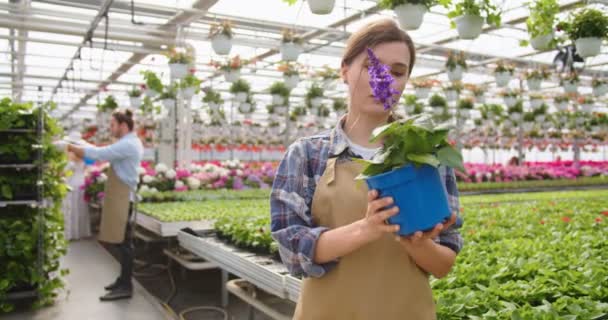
pixel 91 268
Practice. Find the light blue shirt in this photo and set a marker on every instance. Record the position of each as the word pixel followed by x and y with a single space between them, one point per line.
pixel 124 156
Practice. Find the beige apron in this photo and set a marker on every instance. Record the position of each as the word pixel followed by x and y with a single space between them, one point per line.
pixel 115 210
pixel 379 281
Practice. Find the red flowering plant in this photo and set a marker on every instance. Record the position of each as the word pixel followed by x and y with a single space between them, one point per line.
pixel 234 63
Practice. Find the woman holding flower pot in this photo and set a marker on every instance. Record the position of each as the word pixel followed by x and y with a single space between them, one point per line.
pixel 332 230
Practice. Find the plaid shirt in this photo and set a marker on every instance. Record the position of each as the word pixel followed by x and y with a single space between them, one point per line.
pixel 291 201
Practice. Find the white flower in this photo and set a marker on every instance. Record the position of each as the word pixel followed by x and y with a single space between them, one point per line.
pixel 193 183
pixel 179 184
pixel 144 189
pixel 170 174
pixel 102 178
pixel 239 172
pixel 161 167
pixel 148 179
pixel 141 171
pixel 153 190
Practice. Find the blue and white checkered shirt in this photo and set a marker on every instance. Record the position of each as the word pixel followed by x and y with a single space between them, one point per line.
pixel 291 201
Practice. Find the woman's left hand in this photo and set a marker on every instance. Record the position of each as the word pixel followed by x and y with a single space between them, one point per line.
pixel 419 237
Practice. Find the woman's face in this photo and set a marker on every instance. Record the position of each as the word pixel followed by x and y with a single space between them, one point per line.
pixel 394 54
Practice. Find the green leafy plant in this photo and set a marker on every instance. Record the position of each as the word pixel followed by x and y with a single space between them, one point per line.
pixel 455 86
pixel 466 104
pixel 437 101
pixel 562 98
pixel 212 96
pixel 240 86
pixel 597 82
pixel 191 81
pixel 541 110
pixel 456 59
pixel 148 107
pixel 339 104
pixel 414 140
pixel 170 92
pixel 481 8
pixel 315 91
pixel 223 28
pixel 585 23
pixel 510 93
pixel 109 104
pixel 517 108
pixel 152 81
pixel 182 56
pixel 412 101
pixel 134 93
pixel 540 73
pixel 16 115
pixel 289 35
pixel 501 66
pixel 542 18
pixel 328 73
pixel 391 4
pixel 279 88
pixel 298 111
pixel 288 69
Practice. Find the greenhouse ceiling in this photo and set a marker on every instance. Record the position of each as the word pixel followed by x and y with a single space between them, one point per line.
pixel 41 45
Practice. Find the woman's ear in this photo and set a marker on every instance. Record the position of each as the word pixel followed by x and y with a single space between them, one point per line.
pixel 344 73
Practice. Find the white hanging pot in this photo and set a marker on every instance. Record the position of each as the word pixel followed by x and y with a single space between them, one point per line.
pixel 480 99
pixel 245 107
pixel 528 126
pixel 561 106
pixel 135 102
pixel 178 70
pixel 188 92
pixel 541 42
pixel 214 107
pixel 409 109
pixel 465 113
pixel 221 44
pixel 510 101
pixel 455 74
pixel 438 111
pixel 240 97
pixel 502 78
pixel 534 84
pixel 291 81
pixel 515 117
pixel 422 93
pixel 579 121
pixel 316 102
pixel 151 93
pixel 290 51
pixel 536 103
pixel 232 75
pixel 540 118
pixel 321 6
pixel 570 87
pixel 588 47
pixel 410 15
pixel 600 90
pixel 451 95
pixel 280 110
pixel 168 103
pixel 277 99
pixel 469 26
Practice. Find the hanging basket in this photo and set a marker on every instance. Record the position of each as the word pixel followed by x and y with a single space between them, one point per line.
pixel 168 103
pixel 321 6
pixel 135 102
pixel 534 84
pixel 422 93
pixel 536 103
pixel 541 42
pixel 232 75
pixel 188 92
pixel 469 26
pixel 151 93
pixel 588 47
pixel 600 90
pixel 290 51
pixel 510 101
pixel 455 74
pixel 178 70
pixel 291 81
pixel 221 44
pixel 570 87
pixel 240 97
pixel 540 118
pixel 410 15
pixel 451 95
pixel 502 78
pixel 277 99
pixel 245 107
pixel 316 102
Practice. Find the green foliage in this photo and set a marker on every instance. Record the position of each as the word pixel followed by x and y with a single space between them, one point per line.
pixel 339 104
pixel 465 103
pixel 413 140
pixel 586 23
pixel 108 105
pixel 290 2
pixel 148 107
pixel 501 66
pixel 240 86
pixel 542 17
pixel 314 91
pixel 16 115
pixel 540 73
pixel 191 81
pixel 152 81
pixel 482 8
pixel 134 93
pixel 437 101
pixel 456 59
pixel 279 88
pixel 411 100
pixel 212 96
pixel 170 92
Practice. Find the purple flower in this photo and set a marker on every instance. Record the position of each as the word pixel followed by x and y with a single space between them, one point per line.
pixel 380 80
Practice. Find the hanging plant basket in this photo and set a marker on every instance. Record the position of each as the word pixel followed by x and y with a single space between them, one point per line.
pixel 280 110
pixel 316 103
pixel 168 103
pixel 536 103
pixel 290 51
pixel 600 90
pixel 540 118
pixel 410 16
pixel 588 47
pixel 455 74
pixel 240 97
pixel 232 75
pixel 188 92
pixel 277 99
pixel 469 26
pixel 135 102
pixel 570 87
pixel 534 84
pixel 438 111
pixel 321 6
pixel 422 92
pixel 502 78
pixel 221 44
pixel 214 107
pixel 510 101
pixel 245 107
pixel 291 81
pixel 541 42
pixel 451 95
pixel 178 70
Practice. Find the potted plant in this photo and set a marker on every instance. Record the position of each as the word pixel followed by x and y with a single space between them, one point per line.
pixel 468 17
pixel 503 74
pixel 510 97
pixel 291 75
pixel 148 107
pixel 535 77
pixel 231 69
pixel 455 65
pixel 587 28
pixel 516 111
pixel 212 98
pixel 179 60
pixel 168 97
pixel 298 113
pixel 276 109
pixel 465 106
pixel 247 106
pixel 586 103
pixel 314 96
pixel 561 102
pixel 452 91
pixel 328 76
pixel 540 113
pixel 423 87
pixel 240 89
pixel 320 6
pixel 291 45
pixel 536 100
pixel 409 12
pixel 540 24
pixel 280 93
pixel 190 85
pixel 108 105
pixel 406 169
pixel 412 106
pixel 339 106
pixel 570 82
pixel 153 84
pixel 135 97
pixel 438 103
pixel 600 86
pixel 221 37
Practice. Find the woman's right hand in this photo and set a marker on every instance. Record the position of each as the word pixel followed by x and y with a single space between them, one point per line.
pixel 374 223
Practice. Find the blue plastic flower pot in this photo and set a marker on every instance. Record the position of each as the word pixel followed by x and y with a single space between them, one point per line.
pixel 419 193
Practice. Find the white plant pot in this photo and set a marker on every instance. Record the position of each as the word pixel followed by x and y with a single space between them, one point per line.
pixel 168 103
pixel 280 110
pixel 321 6
pixel 245 107
pixel 515 117
pixel 178 70
pixel 465 113
pixel 135 102
pixel 451 95
pixel 570 87
pixel 469 26
pixel 214 107
pixel 240 97
pixel 528 126
pixel 579 121
pixel 316 102
pixel 291 81
pixel 600 90
pixel 151 93
pixel 277 99
pixel 188 92
pixel 502 78
pixel 422 93
pixel 561 106
pixel 510 101
pixel 410 15
pixel 540 118
pixel 534 84
pixel 588 47
pixel 480 99
pixel 290 51
pixel 536 103
pixel 438 111
pixel 221 44
pixel 409 109
pixel 455 74
pixel 541 42
pixel 587 107
pixel 232 75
